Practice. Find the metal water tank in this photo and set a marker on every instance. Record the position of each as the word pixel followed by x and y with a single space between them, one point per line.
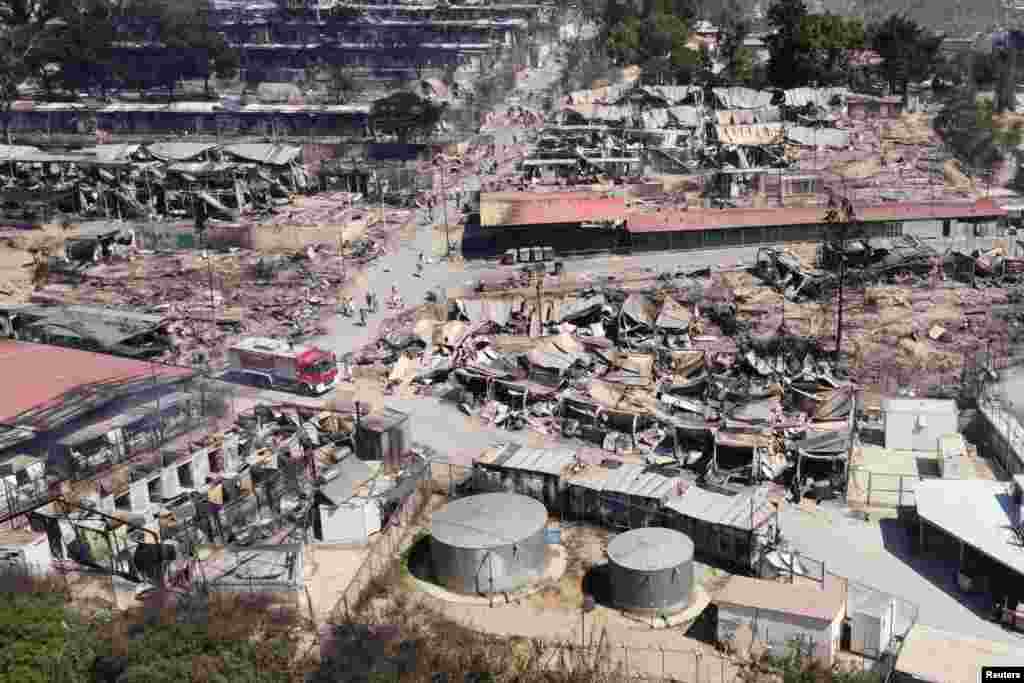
pixel 489 543
pixel 650 569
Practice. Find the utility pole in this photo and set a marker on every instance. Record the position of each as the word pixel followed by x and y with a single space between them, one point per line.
pixel 444 208
pixel 840 212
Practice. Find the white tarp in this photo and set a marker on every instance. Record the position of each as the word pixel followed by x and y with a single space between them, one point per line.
pixel 600 112
pixel 655 118
pixel 818 137
pixel 743 98
pixel 819 97
pixel 760 134
pixel 672 93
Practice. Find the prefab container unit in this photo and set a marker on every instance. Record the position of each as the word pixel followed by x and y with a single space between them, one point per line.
pixel 913 424
pixel 145 426
pixel 489 543
pixel 730 529
pixel 528 471
pixel 650 570
pixel 23 550
pixel 353 521
pixel 385 436
pixel 91 448
pixel 951 456
pixel 871 623
pixel 627 496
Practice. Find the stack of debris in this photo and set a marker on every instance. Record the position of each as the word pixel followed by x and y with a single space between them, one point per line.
pixel 165 179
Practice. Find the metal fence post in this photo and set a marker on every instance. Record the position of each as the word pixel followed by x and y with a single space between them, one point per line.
pixel 867 500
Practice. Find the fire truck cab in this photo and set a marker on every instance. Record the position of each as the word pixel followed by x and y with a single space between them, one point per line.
pixel 282 364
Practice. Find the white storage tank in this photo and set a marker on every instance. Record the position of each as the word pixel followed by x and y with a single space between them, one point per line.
pixel 650 569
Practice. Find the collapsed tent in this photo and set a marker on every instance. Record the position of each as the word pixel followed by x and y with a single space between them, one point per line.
pixel 818 137
pixel 742 98
pixel 757 134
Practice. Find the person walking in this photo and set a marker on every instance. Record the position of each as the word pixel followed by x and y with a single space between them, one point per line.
pixel 369 301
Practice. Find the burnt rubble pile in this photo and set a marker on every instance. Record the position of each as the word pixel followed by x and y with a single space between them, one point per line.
pixel 211 299
pixel 172 180
pixel 671 379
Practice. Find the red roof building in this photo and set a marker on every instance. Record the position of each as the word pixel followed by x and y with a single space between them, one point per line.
pixel 41 380
pixel 689 220
pixel 501 209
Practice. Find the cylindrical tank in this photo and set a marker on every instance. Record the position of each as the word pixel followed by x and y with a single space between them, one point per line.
pixel 489 543
pixel 650 569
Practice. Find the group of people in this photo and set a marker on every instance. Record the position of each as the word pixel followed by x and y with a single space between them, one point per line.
pixel 347 307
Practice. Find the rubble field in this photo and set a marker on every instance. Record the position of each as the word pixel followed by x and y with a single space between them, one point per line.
pixel 741 362
pixel 279 293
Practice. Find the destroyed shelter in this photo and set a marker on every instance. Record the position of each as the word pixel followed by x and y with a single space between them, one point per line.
pixel 167 179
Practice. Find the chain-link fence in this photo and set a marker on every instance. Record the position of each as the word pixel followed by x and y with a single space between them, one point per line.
pixel 388 547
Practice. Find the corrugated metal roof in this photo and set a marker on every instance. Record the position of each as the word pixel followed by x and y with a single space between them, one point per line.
pixel 711 219
pixel 718 508
pixel 179 151
pixel 544 461
pixel 275 155
pixel 628 479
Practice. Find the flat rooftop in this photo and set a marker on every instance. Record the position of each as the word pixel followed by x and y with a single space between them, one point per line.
pixel 39 375
pixel 717 219
pixel 822 601
pixel 935 656
pixel 975 511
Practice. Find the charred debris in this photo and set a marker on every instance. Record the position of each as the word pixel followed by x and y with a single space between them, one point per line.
pixel 700 374
pixel 170 180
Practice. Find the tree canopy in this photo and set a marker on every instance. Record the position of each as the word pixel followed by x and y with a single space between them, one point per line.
pixel 657 42
pixel 978 136
pixel 738 60
pixel 908 51
pixel 196 49
pixel 809 47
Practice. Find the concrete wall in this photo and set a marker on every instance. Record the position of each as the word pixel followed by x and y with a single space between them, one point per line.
pixel 780 629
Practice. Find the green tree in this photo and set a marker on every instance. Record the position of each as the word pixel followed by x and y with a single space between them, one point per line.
pixel 624 42
pixel 827 39
pixel 186 29
pixel 333 78
pixel 735 28
pixel 788 63
pixel 29 35
pixel 85 50
pixel 31 634
pixel 978 137
pixel 405 115
pixel 908 51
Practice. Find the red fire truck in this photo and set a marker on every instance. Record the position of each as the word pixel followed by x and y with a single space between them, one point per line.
pixel 281 364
